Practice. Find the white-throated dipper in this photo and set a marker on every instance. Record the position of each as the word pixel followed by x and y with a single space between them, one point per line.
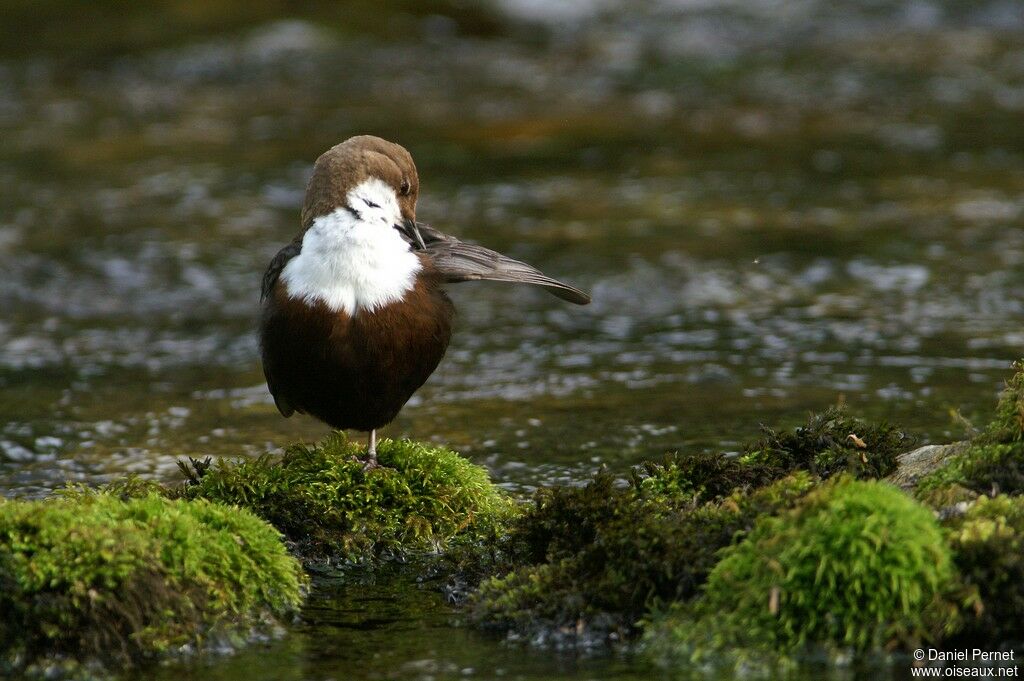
pixel 355 317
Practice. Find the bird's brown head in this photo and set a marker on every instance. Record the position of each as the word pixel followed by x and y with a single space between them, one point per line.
pixel 356 174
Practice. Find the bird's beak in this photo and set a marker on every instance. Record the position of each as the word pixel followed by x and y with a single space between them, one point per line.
pixel 411 232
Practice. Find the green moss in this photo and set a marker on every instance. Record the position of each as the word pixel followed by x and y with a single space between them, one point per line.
pixel 593 560
pixel 320 497
pixel 988 547
pixel 857 565
pixel 827 444
pixel 692 479
pixel 92 576
pixel 994 462
pixel 1008 423
pixel 947 498
pixel 130 487
pixel 830 443
pixel 981 468
pixel 562 521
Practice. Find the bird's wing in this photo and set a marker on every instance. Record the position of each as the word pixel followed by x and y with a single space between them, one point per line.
pixel 269 280
pixel 283 405
pixel 276 265
pixel 459 261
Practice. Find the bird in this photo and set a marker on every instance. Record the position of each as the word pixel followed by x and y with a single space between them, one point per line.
pixel 354 315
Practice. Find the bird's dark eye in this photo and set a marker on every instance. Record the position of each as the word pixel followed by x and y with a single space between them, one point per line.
pixel 404 189
pixel 371 204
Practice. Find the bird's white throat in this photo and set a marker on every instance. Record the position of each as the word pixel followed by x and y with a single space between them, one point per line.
pixel 355 260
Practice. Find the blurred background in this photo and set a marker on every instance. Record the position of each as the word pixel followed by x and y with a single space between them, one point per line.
pixel 778 205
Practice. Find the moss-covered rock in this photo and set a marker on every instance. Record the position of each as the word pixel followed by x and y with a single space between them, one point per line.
pixel 593 560
pixel 689 479
pixel 727 558
pixel 91 576
pixel 322 499
pixel 857 565
pixel 915 465
pixel 1008 423
pixel 988 548
pixel 990 464
pixel 138 569
pixel 982 468
pixel 830 443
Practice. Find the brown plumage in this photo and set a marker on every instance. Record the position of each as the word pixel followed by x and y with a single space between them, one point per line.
pixel 355 324
pixel 354 371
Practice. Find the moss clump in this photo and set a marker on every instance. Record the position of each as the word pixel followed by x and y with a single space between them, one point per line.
pixel 988 547
pixel 93 576
pixel 981 468
pixel 321 498
pixel 593 560
pixel 993 463
pixel 857 565
pixel 596 558
pixel 830 443
pixel 1008 424
pixel 692 479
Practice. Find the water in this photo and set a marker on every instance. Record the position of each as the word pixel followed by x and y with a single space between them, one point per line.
pixel 393 631
pixel 404 630
pixel 777 207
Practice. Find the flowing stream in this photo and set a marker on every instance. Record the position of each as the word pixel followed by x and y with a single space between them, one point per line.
pixel 777 206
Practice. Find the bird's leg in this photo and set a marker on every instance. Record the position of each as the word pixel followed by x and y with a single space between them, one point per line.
pixel 371 451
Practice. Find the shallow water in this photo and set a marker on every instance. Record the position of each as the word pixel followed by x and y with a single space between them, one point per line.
pixel 777 207
pixel 405 630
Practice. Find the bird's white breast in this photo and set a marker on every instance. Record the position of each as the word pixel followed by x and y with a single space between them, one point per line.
pixel 354 262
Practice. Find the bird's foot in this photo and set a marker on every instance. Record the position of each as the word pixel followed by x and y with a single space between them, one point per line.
pixel 370 462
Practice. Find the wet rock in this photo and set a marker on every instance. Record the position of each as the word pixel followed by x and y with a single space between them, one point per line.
pixel 915 464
